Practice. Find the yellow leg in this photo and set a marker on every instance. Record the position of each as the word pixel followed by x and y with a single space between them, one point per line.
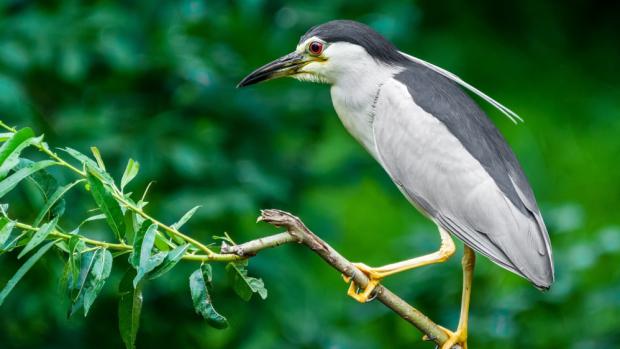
pixel 459 337
pixel 376 274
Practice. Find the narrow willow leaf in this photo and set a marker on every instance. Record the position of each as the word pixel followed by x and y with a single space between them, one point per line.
pixel 77 293
pixel 6 227
pixel 14 241
pixel 5 136
pixel 85 160
pixel 108 205
pixel 186 217
pixel 243 284
pixel 90 163
pixel 10 150
pixel 75 245
pixel 201 298
pixel 148 262
pixel 39 236
pixel 171 260
pixel 151 263
pixel 136 255
pixel 161 242
pixel 96 278
pixel 23 270
pixel 131 171
pixel 129 308
pixel 97 156
pixel 53 199
pixel 130 229
pixel 11 181
pixel 44 182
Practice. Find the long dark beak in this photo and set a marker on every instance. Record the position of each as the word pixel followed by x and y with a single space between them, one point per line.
pixel 284 66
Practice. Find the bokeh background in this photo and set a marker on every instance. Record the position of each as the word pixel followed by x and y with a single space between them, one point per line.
pixel 155 81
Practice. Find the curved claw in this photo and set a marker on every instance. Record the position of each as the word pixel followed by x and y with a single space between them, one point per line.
pixel 366 294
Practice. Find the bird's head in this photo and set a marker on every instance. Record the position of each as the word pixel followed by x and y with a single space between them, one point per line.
pixel 330 52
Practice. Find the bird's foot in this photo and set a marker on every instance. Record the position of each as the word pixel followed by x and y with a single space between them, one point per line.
pixel 456 339
pixel 364 295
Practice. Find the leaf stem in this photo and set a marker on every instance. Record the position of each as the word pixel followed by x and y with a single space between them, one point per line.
pixel 213 257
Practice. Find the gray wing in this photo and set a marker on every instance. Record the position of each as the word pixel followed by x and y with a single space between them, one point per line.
pixel 453 164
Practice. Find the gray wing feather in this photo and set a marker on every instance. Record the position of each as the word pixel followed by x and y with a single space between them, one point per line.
pixel 452 163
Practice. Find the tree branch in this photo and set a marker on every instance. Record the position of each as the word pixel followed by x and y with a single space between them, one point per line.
pixel 297 231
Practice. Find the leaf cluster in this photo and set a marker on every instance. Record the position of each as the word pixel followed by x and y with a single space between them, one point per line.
pixel 152 248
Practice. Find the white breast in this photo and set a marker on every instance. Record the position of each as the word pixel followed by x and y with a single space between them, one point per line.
pixel 354 100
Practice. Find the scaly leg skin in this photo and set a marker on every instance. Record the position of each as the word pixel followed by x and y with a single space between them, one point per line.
pixel 459 337
pixel 376 274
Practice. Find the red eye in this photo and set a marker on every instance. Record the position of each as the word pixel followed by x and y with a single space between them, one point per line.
pixel 315 48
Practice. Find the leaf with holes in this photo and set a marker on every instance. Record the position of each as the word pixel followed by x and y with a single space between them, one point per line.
pixel 198 284
pixel 243 284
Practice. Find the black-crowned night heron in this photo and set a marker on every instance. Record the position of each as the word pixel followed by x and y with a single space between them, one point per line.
pixel 435 143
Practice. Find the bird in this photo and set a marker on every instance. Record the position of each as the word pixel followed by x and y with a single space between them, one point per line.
pixel 438 147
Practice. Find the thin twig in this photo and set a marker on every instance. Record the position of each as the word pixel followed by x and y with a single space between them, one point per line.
pixel 297 231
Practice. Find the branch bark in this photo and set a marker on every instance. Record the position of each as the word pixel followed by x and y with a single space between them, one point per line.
pixel 298 232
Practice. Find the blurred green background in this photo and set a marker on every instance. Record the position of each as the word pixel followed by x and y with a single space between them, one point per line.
pixel 155 80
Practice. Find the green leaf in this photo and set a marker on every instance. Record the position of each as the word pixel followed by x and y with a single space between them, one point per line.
pixel 6 226
pixel 108 205
pixel 161 242
pixel 243 284
pixel 78 284
pixel 186 217
pixel 129 308
pixel 97 156
pixel 198 284
pixel 153 262
pixel 130 172
pixel 99 273
pixel 46 184
pixel 135 257
pixel 172 258
pixel 23 270
pixel 38 237
pixel 90 163
pixel 11 181
pixel 53 199
pixel 85 160
pixel 75 245
pixel 10 150
pixel 148 262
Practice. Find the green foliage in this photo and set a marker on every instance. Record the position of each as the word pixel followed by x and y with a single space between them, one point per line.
pixel 39 236
pixel 13 180
pixel 243 284
pixel 88 261
pixel 108 205
pixel 129 309
pixel 131 171
pixel 199 284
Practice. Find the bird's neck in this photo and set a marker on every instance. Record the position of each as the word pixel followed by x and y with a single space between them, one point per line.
pixel 354 97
